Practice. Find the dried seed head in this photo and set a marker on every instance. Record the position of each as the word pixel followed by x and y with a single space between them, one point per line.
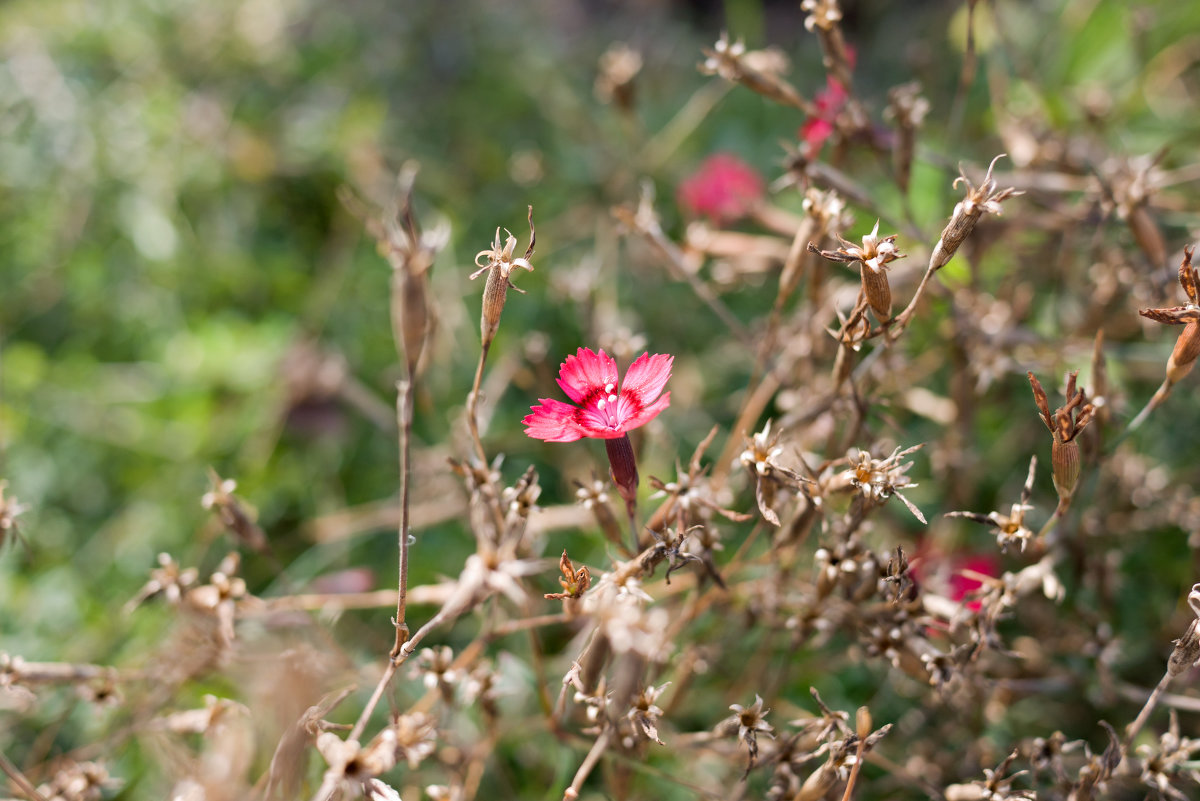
pixel 985 198
pixel 499 266
pixel 822 14
pixel 907 109
pixel 1064 457
pixel 411 252
pixel 880 479
pixel 878 292
pixel 1183 355
pixel 758 70
pixel 1130 185
pixel 873 259
pixel 574 582
pixel 1065 424
pixel 233 513
pixel 1186 652
pixel 619 66
pixel 1187 347
pixel 10 508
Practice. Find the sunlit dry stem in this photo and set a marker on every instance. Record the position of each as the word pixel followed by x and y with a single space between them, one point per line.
pixel 18 779
pixel 1183 658
pixel 396 656
pixel 404 413
pixel 862 722
pixel 589 762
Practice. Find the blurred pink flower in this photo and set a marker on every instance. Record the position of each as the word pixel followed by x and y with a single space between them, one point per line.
pixel 604 411
pixel 829 102
pixel 944 573
pixel 723 189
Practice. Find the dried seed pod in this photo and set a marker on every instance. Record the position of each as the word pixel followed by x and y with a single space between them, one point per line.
pixel 1183 356
pixel 1065 424
pixel 1064 457
pixel 1186 652
pixel 878 291
pixel 499 267
pixel 907 109
pixel 873 259
pixel 981 199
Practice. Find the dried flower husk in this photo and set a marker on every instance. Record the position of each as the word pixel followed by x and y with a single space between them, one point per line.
pixel 1183 356
pixel 1064 457
pixel 878 291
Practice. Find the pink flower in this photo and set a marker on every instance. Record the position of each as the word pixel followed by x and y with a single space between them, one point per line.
pixel 829 102
pixel 955 574
pixel 723 189
pixel 604 411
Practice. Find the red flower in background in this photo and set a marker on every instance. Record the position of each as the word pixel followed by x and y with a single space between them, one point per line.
pixel 724 189
pixel 604 411
pixel 944 573
pixel 829 102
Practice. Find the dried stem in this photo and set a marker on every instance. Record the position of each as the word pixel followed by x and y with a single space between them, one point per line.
pixel 404 413
pixel 1131 733
pixel 589 762
pixel 473 407
pixel 1155 401
pixel 18 778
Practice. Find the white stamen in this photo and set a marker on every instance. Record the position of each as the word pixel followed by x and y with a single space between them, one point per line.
pixel 600 403
pixel 609 387
pixel 612 398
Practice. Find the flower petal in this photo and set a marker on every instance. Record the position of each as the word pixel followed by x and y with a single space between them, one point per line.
pixel 646 377
pixel 599 423
pixel 553 421
pixel 586 373
pixel 634 415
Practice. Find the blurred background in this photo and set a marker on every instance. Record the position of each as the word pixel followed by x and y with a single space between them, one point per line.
pixel 180 287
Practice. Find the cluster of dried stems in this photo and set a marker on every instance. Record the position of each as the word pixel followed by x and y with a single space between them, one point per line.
pixel 775 561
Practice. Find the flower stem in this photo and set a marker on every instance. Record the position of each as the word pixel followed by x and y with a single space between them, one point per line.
pixel 473 407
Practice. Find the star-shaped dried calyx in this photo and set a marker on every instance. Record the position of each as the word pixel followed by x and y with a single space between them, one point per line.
pixel 1009 528
pixel 873 259
pixel 879 479
pixel 168 580
pixel 750 722
pixel 761 459
pixel 644 713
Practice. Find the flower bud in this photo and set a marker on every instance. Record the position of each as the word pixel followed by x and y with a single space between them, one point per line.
pixel 624 467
